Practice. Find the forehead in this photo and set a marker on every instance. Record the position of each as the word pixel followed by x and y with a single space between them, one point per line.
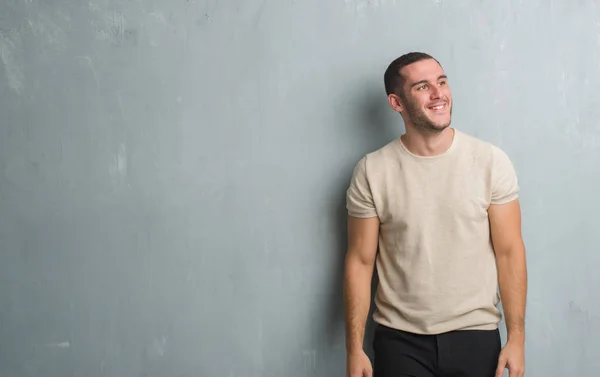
pixel 427 69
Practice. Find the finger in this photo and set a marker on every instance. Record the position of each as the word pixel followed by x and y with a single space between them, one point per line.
pixel 369 372
pixel 516 372
pixel 500 368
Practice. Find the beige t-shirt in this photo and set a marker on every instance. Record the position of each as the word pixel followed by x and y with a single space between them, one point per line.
pixel 436 264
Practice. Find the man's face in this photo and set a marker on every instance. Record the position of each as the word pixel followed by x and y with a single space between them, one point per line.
pixel 426 99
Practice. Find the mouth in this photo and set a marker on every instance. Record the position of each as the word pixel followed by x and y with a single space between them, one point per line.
pixel 438 107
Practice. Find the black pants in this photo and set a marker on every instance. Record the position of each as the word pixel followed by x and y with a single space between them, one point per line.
pixel 465 353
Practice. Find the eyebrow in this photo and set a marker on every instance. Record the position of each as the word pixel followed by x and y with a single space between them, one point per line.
pixel 425 81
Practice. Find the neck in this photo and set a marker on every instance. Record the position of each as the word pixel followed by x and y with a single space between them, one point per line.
pixel 423 143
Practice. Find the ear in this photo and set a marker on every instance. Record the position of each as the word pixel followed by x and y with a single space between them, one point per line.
pixel 395 102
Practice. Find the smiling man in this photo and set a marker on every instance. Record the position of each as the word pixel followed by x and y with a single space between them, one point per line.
pixel 437 212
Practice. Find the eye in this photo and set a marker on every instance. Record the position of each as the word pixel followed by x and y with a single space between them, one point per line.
pixel 421 87
pixel 442 83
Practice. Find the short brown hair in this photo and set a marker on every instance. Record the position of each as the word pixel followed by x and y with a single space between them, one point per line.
pixel 392 79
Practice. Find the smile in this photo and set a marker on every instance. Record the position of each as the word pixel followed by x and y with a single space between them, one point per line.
pixel 438 107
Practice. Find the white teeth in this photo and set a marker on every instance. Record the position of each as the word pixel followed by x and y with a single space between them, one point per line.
pixel 438 107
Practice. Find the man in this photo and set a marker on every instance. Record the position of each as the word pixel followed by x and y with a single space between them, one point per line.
pixel 442 208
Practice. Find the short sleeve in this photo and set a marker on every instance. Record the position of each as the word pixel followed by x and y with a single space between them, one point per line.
pixel 359 199
pixel 505 185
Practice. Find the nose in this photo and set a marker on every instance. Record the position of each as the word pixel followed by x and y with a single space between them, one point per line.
pixel 436 92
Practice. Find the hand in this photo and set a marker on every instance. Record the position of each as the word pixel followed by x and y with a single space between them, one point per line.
pixel 512 357
pixel 358 365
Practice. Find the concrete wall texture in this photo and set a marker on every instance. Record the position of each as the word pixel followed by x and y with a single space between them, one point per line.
pixel 172 173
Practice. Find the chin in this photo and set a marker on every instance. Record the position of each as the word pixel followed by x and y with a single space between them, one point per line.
pixel 442 124
pixel 437 123
pixel 439 127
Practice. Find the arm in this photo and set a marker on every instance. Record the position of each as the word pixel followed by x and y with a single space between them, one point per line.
pixel 505 225
pixel 363 236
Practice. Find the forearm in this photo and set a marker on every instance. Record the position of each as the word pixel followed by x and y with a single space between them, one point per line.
pixel 357 300
pixel 512 279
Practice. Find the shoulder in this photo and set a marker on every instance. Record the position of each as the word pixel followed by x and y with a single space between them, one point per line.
pixel 381 157
pixel 497 167
pixel 372 166
pixel 474 144
pixel 485 152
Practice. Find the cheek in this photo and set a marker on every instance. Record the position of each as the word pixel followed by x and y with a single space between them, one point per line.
pixel 419 105
pixel 421 100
